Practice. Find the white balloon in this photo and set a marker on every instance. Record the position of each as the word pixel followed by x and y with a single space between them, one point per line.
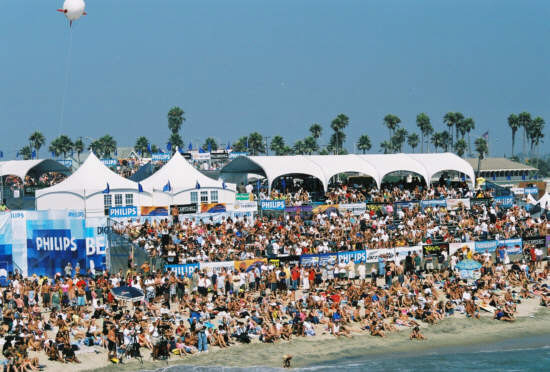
pixel 73 9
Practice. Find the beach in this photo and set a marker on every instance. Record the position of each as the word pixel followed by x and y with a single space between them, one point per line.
pixel 453 332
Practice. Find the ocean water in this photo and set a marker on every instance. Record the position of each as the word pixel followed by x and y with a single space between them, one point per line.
pixel 517 354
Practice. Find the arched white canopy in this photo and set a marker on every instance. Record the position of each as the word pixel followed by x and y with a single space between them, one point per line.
pixel 435 163
pixel 389 163
pixel 333 165
pixel 22 168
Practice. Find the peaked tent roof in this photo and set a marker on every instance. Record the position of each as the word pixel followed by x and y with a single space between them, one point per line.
pixel 21 168
pixel 182 176
pixel 91 177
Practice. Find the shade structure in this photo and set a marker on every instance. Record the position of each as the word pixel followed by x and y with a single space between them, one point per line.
pixel 324 167
pixel 22 168
pixel 126 293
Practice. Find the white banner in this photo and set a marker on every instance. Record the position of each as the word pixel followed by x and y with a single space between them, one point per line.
pixel 200 155
pixel 355 208
pixel 245 206
pixel 456 203
pixel 463 247
pixel 217 266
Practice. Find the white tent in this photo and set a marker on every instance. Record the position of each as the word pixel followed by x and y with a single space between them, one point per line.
pixel 84 189
pixel 544 202
pixel 186 185
pixel 22 168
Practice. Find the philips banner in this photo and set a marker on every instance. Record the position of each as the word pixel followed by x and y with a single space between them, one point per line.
pixel 6 260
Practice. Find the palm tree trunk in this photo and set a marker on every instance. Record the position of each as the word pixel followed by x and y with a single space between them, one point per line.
pixel 513 142
pixel 469 147
pixel 422 135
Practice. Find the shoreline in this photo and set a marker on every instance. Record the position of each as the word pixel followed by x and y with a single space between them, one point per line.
pixel 457 331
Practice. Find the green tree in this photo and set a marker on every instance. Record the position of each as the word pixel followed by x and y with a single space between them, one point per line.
pixel 437 140
pixel 451 119
pixel 299 147
pixel 155 149
pixel 524 119
pixel 37 140
pixel 256 143
pixel 398 139
pixel 176 141
pixel 466 126
pixel 310 145
pixel 426 129
pixel 316 130
pixel 364 144
pixel 175 119
pixel 482 149
pixel 514 124
pixel 324 151
pixel 446 141
pixel 278 145
pixel 241 145
pixel 335 143
pixel 78 147
pixel 26 152
pixel 391 122
pixel 537 132
pixel 413 140
pixel 96 147
pixel 142 143
pixel 61 145
pixel 108 145
pixel 212 142
pixel 338 138
pixel 387 147
pixel 460 147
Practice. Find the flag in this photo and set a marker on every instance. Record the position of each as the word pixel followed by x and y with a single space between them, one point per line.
pixel 167 187
pixel 224 186
pixel 228 147
pixel 116 152
pixel 209 147
pixel 140 188
pixel 198 185
pixel 523 177
pixel 283 184
pixel 149 148
pixel 17 154
pixel 1 154
pixel 169 146
pixel 463 178
pixel 107 189
pixel 201 150
pixel 508 178
pixel 33 154
pixel 485 136
pixel 190 146
pixel 494 177
pixel 53 154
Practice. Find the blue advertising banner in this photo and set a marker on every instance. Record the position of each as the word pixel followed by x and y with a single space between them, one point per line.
pixel 160 157
pixel 6 259
pixel 328 259
pixel 504 201
pixel 273 205
pixel 123 212
pixel 433 203
pixel 109 162
pixel 531 190
pixel 512 246
pixel 309 260
pixel 183 270
pixel 489 246
pixel 356 256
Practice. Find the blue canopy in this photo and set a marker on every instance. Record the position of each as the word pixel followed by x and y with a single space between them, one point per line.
pixel 127 293
pixel 468 265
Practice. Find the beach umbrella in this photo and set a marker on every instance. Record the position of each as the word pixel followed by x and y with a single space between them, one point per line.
pixel 468 265
pixel 73 10
pixel 126 293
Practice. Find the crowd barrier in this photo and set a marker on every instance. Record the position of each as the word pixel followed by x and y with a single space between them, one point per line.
pixel 513 247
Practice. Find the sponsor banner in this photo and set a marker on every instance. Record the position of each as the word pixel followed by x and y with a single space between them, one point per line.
pixel 53 243
pixel 274 262
pixel 123 212
pixel 292 260
pixel 326 209
pixel 160 157
pixel 512 246
pixel 328 259
pixel 247 265
pixel 536 241
pixel 245 206
pixel 435 249
pixel 182 270
pixel 373 255
pixel 504 201
pixel 234 155
pixel 109 162
pixel 480 201
pixel 355 256
pixel 213 208
pixel 272 205
pixel 243 196
pixel 6 257
pixel 518 190
pixel 216 267
pixel 178 209
pixel 402 252
pixel 152 211
pixel 355 208
pixel 398 206
pixel 200 155
pixel 435 203
pixel 462 247
pixel 299 209
pixel 66 162
pixel 453 204
pixel 530 190
pixel 490 246
pixel 309 260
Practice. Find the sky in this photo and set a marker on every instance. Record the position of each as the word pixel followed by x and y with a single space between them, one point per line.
pixel 276 67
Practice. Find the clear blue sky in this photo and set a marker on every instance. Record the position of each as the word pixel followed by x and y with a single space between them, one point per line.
pixel 236 66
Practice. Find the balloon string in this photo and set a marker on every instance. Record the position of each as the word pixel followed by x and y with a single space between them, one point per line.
pixel 67 76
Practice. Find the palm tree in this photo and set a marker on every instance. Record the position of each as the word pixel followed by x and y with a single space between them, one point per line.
pixel 175 119
pixel 299 147
pixel 142 145
pixel 316 130
pixel 391 122
pixel 363 144
pixel 466 126
pixel 514 124
pixel 460 147
pixel 176 141
pixel 37 140
pixel 398 139
pixel 256 143
pixel 108 145
pixel 482 149
pixel 524 120
pixel 241 145
pixel 387 147
pixel 78 147
pixel 412 140
pixel 537 131
pixel 61 145
pixel 426 129
pixel 338 125
pixel 26 152
pixel 210 142
pixel 310 145
pixel 278 145
pixel 452 119
pixel 446 141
